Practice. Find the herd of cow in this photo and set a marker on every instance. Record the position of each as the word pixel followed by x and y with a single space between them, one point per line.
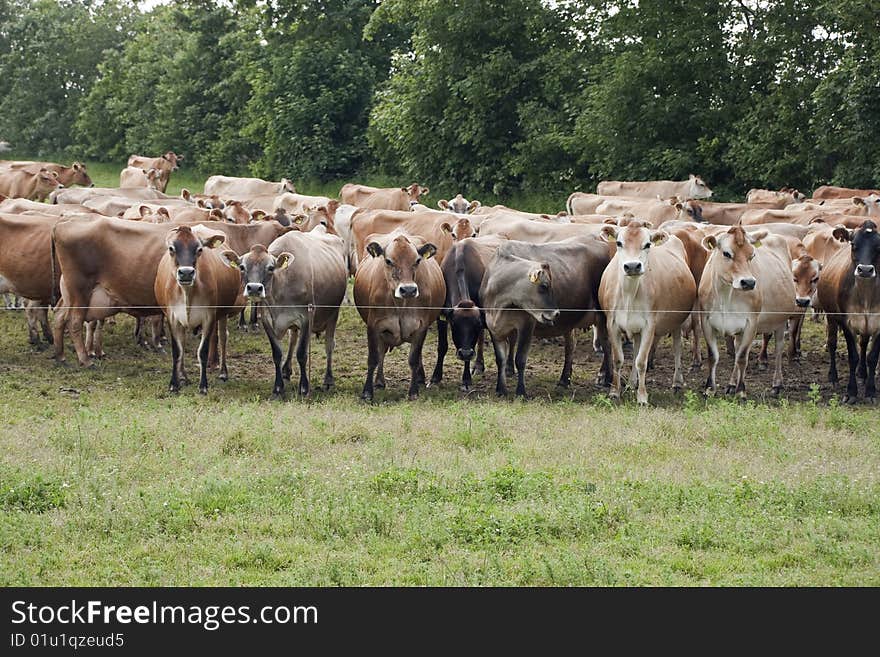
pixel 636 261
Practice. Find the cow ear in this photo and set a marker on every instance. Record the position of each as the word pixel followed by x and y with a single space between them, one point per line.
pixel 283 260
pixel 164 211
pixel 474 205
pixel 143 211
pixel 428 251
pixel 201 204
pixel 443 204
pixel 445 227
pixel 858 200
pixel 679 205
pixel 609 232
pixel 658 237
pixel 709 242
pixel 375 249
pixel 257 215
pixel 76 166
pixel 842 234
pixel 299 219
pixel 425 191
pixel 214 241
pixel 404 189
pixel 755 238
pixel 215 215
pixel 647 224
pixel 231 258
pixel 185 194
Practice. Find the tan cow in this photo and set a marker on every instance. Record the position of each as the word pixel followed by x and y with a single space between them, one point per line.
pixel 746 289
pixel 375 198
pixel 207 201
pixel 22 205
pixel 830 192
pixel 21 183
pixel 693 187
pixel 300 281
pixel 647 291
pixel 87 194
pixel 729 214
pixel 196 288
pixel 655 212
pixel 230 187
pixel 165 164
pixel 459 205
pixel 399 292
pixel 75 174
pixel 787 195
pixel 131 177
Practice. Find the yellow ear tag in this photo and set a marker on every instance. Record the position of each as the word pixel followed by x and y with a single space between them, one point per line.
pixel 534 277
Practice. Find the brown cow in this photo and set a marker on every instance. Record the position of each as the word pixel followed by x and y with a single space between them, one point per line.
pixel 399 292
pixel 133 177
pixel 831 192
pixel 730 214
pixel 693 187
pixel 75 174
pixel 207 201
pixel 36 186
pixel 647 291
pixel 459 205
pixel 22 205
pixel 375 198
pixel 849 293
pixel 196 288
pixel 787 194
pixel 165 164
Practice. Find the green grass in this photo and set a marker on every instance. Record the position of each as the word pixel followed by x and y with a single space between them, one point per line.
pixel 105 479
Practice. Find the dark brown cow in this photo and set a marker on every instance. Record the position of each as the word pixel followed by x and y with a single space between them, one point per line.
pixel 398 291
pixel 849 293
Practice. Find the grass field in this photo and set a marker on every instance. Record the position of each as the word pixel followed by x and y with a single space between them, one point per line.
pixel 106 479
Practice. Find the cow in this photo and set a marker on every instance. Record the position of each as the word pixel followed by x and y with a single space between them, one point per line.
pixel 647 291
pixel 585 203
pixel 830 192
pixel 22 206
pixel 399 291
pixel 655 212
pixel 75 174
pixel 297 203
pixel 526 230
pixel 374 198
pixel 109 265
pixel 787 194
pixel 548 290
pixel 230 187
pixel 300 282
pixel 86 194
pixel 195 288
pixel 165 164
pixel 729 214
pixel 693 187
pixel 34 186
pixel 746 289
pixel 458 205
pixel 849 294
pixel 207 201
pixel 805 271
pixel 134 177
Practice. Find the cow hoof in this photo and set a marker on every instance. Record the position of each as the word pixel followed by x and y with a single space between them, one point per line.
pixel 709 392
pixel 871 400
pixel 775 390
pixel 676 390
pixel 223 376
pixel 696 366
pixel 413 396
pixel 563 383
pixel 380 385
pixel 479 369
pixel 304 391
pixel 464 387
pixel 729 390
pixel 849 399
pixel 762 366
pixel 174 389
pixel 328 385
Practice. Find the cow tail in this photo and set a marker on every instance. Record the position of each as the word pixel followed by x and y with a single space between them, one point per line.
pixel 55 295
pixel 568 207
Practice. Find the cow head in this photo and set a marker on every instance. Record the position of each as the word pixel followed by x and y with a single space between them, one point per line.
pixel 461 230
pixel 697 188
pixel 321 215
pixel 287 186
pixel 184 249
pixel 805 270
pixel 154 178
pixel 46 183
pixel 634 244
pixel 235 213
pixel 734 251
pixel 689 211
pixel 458 205
pixel 414 192
pixel 402 259
pixel 870 205
pixel 80 175
pixel 258 268
pixel 148 215
pixel 865 248
pixel 796 195
pixel 527 285
pixel 466 324
pixel 281 217
pixel 173 158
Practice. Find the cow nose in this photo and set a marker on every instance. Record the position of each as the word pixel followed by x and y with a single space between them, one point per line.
pixel 747 283
pixel 865 271
pixel 186 275
pixel 632 268
pixel 255 290
pixel 549 316
pixel 92 185
pixel 465 354
pixel 60 186
pixel 407 290
pixel 803 302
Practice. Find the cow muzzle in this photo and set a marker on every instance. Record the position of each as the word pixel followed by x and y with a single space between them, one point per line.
pixel 548 317
pixel 407 291
pixel 866 271
pixel 186 275
pixel 747 283
pixel 465 354
pixel 803 302
pixel 255 291
pixel 633 268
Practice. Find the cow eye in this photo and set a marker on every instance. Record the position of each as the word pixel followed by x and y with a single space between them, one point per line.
pixel 544 287
pixel 171 250
pixel 619 244
pixel 647 246
pixel 751 257
pixel 388 262
pixel 815 280
pixel 728 254
pixel 270 268
pixel 199 250
pixel 241 267
pixel 416 263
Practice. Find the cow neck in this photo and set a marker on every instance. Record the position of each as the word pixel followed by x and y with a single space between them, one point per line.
pixel 865 291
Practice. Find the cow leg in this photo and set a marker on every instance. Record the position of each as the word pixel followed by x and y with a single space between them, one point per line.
pixel 380 369
pixel 75 323
pixel 222 336
pixel 636 347
pixel 794 347
pixel 375 348
pixel 696 331
pixel 177 346
pixel 278 386
pixel 870 384
pixel 863 356
pixel 302 356
pixel 242 325
pixel 41 315
pixel 9 301
pixel 524 341
pixel 287 370
pixel 852 388
pixel 651 355
pixel 779 335
pixel 731 345
pixel 606 369
pixel 511 351
pixel 677 376
pixel 763 359
pixel 254 317
pixel 570 343
pixel 139 332
pixel 742 357
pixel 204 353
pixel 213 351
pixel 33 334
pixel 417 371
pixel 831 342
pixel 98 339
pixel 480 364
pixel 329 346
pixel 90 338
pixel 442 348
pixel 58 327
pixel 734 375
pixel 640 364
pixel 616 340
pixel 502 353
pixel 712 348
pixel 466 379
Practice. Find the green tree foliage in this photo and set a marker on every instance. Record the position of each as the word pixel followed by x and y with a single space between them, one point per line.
pixel 49 51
